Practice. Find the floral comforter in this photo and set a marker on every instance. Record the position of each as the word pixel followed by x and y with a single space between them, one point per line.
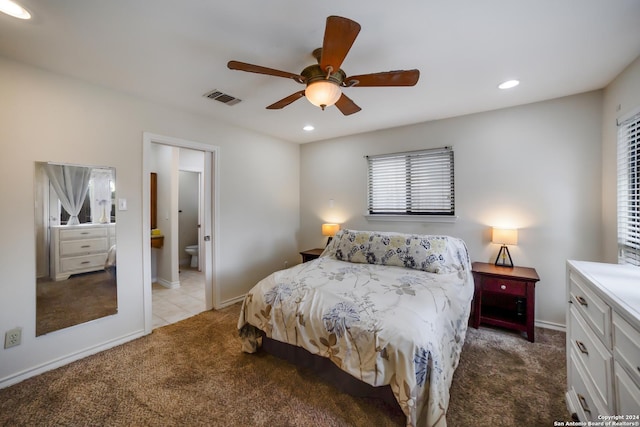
pixel 381 324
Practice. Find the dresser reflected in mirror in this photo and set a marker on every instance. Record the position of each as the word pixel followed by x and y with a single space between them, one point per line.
pixel 75 245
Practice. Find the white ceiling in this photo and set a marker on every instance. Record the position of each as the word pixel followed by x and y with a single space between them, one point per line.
pixel 174 51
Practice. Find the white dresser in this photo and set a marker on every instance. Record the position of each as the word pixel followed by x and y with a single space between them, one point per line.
pixel 79 248
pixel 603 341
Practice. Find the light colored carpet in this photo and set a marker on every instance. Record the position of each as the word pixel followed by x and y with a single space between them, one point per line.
pixel 79 299
pixel 193 373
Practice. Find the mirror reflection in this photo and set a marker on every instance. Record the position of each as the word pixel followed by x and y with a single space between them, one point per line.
pixel 75 245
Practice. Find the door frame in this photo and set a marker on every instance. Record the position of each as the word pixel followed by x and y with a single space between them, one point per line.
pixel 209 250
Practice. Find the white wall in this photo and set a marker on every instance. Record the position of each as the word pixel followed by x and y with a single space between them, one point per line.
pixel 166 160
pixel 47 117
pixel 620 97
pixel 536 167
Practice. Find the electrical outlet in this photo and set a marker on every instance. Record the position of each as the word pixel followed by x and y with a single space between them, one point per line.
pixel 13 337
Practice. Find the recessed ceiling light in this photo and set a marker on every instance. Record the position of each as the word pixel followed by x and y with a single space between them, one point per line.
pixel 308 128
pixel 14 9
pixel 508 84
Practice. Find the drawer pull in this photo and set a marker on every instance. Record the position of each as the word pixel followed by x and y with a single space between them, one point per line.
pixel 85 246
pixel 85 262
pixel 503 287
pixel 583 403
pixel 582 301
pixel 84 232
pixel 582 347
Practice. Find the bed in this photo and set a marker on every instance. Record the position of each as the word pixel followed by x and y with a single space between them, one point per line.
pixel 389 309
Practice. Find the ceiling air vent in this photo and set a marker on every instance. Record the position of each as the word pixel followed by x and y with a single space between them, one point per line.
pixel 222 97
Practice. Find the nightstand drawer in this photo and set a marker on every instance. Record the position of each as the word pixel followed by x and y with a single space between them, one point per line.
pixel 504 286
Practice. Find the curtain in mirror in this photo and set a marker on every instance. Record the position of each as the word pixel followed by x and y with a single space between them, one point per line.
pixel 71 184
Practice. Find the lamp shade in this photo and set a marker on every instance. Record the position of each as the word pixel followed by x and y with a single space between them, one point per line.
pixel 323 93
pixel 330 229
pixel 504 236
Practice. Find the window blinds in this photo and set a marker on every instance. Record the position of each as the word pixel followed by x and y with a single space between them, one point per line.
pixel 629 191
pixel 412 183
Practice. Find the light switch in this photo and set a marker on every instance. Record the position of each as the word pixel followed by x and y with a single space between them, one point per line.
pixel 122 204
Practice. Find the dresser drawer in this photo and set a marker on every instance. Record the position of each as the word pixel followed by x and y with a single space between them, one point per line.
pixel 586 402
pixel 90 263
pixel 83 233
pixel 592 308
pixel 80 247
pixel 627 346
pixel 627 392
pixel 504 286
pixel 595 357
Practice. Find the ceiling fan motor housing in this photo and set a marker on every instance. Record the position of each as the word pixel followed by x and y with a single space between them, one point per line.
pixel 314 73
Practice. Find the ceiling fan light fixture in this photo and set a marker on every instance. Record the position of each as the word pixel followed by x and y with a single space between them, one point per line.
pixel 323 93
pixel 13 9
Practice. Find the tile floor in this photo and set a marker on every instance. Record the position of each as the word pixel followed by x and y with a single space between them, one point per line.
pixel 172 305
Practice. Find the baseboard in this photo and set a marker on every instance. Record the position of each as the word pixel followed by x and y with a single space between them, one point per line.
pixel 167 284
pixel 65 360
pixel 550 325
pixel 229 302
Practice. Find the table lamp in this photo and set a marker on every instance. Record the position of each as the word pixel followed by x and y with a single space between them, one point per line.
pixel 504 237
pixel 330 230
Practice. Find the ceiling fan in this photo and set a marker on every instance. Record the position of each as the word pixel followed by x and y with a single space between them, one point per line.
pixel 325 79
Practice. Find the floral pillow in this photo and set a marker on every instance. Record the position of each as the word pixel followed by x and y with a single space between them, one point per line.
pixel 435 254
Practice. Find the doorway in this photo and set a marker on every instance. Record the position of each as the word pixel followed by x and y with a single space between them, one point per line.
pixel 208 215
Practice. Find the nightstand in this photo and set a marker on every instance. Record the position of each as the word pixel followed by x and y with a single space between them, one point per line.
pixel 504 297
pixel 310 254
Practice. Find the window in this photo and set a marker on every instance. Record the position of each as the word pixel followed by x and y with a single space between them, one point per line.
pixel 629 191
pixel 98 205
pixel 411 183
pixel 90 212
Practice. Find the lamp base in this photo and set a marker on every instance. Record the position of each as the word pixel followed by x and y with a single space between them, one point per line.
pixel 329 240
pixel 502 256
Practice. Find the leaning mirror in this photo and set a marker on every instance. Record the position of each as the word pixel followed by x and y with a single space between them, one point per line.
pixel 75 245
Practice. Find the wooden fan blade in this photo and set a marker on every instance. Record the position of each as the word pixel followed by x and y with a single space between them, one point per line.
pixel 346 105
pixel 243 66
pixel 339 35
pixel 389 78
pixel 286 101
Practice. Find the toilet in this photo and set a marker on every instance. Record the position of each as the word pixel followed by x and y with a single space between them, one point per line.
pixel 193 251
